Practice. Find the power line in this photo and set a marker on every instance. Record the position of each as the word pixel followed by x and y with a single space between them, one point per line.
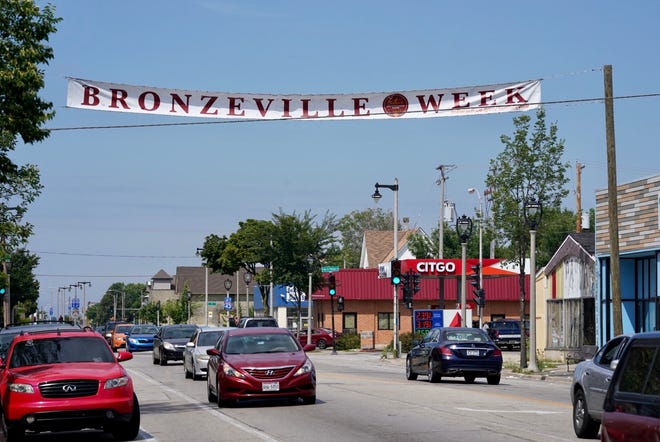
pixel 115 256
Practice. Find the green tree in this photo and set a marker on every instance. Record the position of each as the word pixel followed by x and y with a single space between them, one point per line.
pixel 24 286
pixel 299 244
pixel 529 168
pixel 352 227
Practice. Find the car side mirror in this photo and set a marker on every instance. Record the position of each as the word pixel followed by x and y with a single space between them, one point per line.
pixel 190 344
pixel 213 352
pixel 614 363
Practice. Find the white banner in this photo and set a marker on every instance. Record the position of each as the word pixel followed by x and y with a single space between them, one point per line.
pixel 510 97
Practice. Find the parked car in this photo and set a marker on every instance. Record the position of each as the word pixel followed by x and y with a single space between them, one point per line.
pixel 119 336
pixel 257 322
pixel 591 379
pixel 170 341
pixel 195 358
pixel 260 363
pixel 11 330
pixel 66 380
pixel 505 333
pixel 631 410
pixel 321 337
pixel 454 352
pixel 141 337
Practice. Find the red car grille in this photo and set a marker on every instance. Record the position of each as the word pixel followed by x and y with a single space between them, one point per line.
pixel 70 388
pixel 269 373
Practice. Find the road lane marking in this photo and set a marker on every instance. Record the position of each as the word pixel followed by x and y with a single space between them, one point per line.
pixel 485 410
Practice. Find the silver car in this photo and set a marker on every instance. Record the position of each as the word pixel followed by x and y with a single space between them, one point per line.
pixel 590 381
pixel 195 359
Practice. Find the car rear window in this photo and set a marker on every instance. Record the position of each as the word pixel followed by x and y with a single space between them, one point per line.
pixel 208 339
pixel 178 333
pixel 642 372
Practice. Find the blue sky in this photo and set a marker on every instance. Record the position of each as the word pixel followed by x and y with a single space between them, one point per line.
pixel 121 204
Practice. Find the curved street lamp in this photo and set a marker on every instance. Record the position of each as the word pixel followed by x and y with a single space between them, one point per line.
pixel 533 212
pixel 464 230
pixel 227 287
pixel 247 278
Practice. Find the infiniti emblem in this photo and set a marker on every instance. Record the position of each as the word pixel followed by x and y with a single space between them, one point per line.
pixel 270 372
pixel 68 388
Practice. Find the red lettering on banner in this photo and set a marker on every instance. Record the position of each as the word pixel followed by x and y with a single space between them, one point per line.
pixel 235 105
pixel 425 105
pixel 184 106
pixel 142 101
pixel 286 111
pixel 331 108
pixel 357 105
pixel 487 98
pixel 459 100
pixel 90 96
pixel 305 109
pixel 207 107
pixel 118 96
pixel 514 92
pixel 263 110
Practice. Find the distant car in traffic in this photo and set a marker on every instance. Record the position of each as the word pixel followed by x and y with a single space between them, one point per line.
pixel 321 337
pixel 118 338
pixel 505 333
pixel 260 363
pixel 66 380
pixel 170 341
pixel 631 410
pixel 195 358
pixel 591 380
pixel 455 352
pixel 141 337
pixel 264 321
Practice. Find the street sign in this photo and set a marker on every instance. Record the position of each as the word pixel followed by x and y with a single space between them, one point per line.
pixel 212 303
pixel 228 304
pixel 326 269
pixel 75 303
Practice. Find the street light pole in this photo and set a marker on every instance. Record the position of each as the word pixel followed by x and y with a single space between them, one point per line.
pixel 206 288
pixel 376 196
pixel 227 287
pixel 481 253
pixel 83 310
pixel 247 277
pixel 464 230
pixel 533 211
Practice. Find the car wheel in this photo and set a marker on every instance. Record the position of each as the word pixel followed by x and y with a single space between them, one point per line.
pixel 410 375
pixel 309 400
pixel 185 371
pixel 432 372
pixel 129 430
pixel 583 424
pixel 469 379
pixel 155 359
pixel 194 374
pixel 162 360
pixel 221 402
pixel 211 396
pixel 321 344
pixel 494 379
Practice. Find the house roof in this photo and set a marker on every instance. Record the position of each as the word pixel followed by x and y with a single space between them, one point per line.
pixel 195 277
pixel 162 274
pixel 377 246
pixel 580 245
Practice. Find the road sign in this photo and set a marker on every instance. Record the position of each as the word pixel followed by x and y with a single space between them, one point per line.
pixel 212 303
pixel 75 303
pixel 228 304
pixel 326 269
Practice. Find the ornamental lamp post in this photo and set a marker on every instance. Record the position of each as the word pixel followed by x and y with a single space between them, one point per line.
pixel 533 212
pixel 377 196
pixel 206 287
pixel 481 253
pixel 247 278
pixel 464 230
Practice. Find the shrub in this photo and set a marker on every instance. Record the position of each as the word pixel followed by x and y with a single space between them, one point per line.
pixel 406 340
pixel 348 341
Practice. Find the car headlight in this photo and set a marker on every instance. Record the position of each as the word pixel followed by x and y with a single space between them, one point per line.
pixel 116 382
pixel 168 346
pixel 307 367
pixel 132 340
pixel 21 388
pixel 228 370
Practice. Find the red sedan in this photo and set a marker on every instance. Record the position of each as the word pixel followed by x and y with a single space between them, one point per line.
pixel 260 363
pixel 321 337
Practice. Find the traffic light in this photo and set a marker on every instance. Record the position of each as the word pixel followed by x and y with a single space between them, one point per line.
pixel 3 284
pixel 480 297
pixel 332 285
pixel 475 277
pixel 395 272
pixel 407 294
pixel 415 284
pixel 340 303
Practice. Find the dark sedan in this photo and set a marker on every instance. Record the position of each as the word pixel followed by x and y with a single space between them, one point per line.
pixel 170 341
pixel 260 363
pixel 455 352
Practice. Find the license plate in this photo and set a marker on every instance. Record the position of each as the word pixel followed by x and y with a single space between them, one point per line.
pixel 270 386
pixel 473 352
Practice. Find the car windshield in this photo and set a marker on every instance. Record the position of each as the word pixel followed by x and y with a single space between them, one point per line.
pixel 208 339
pixel 123 328
pixel 59 350
pixel 143 330
pixel 178 333
pixel 466 336
pixel 262 343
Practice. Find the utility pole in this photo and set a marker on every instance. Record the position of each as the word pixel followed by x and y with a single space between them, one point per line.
pixel 578 196
pixel 443 168
pixel 613 205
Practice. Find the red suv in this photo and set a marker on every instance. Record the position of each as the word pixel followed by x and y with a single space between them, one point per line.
pixel 66 380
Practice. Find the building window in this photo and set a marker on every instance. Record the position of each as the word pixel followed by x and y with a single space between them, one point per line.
pixel 385 321
pixel 349 323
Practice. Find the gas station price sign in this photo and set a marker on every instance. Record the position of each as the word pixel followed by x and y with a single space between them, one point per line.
pixel 425 320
